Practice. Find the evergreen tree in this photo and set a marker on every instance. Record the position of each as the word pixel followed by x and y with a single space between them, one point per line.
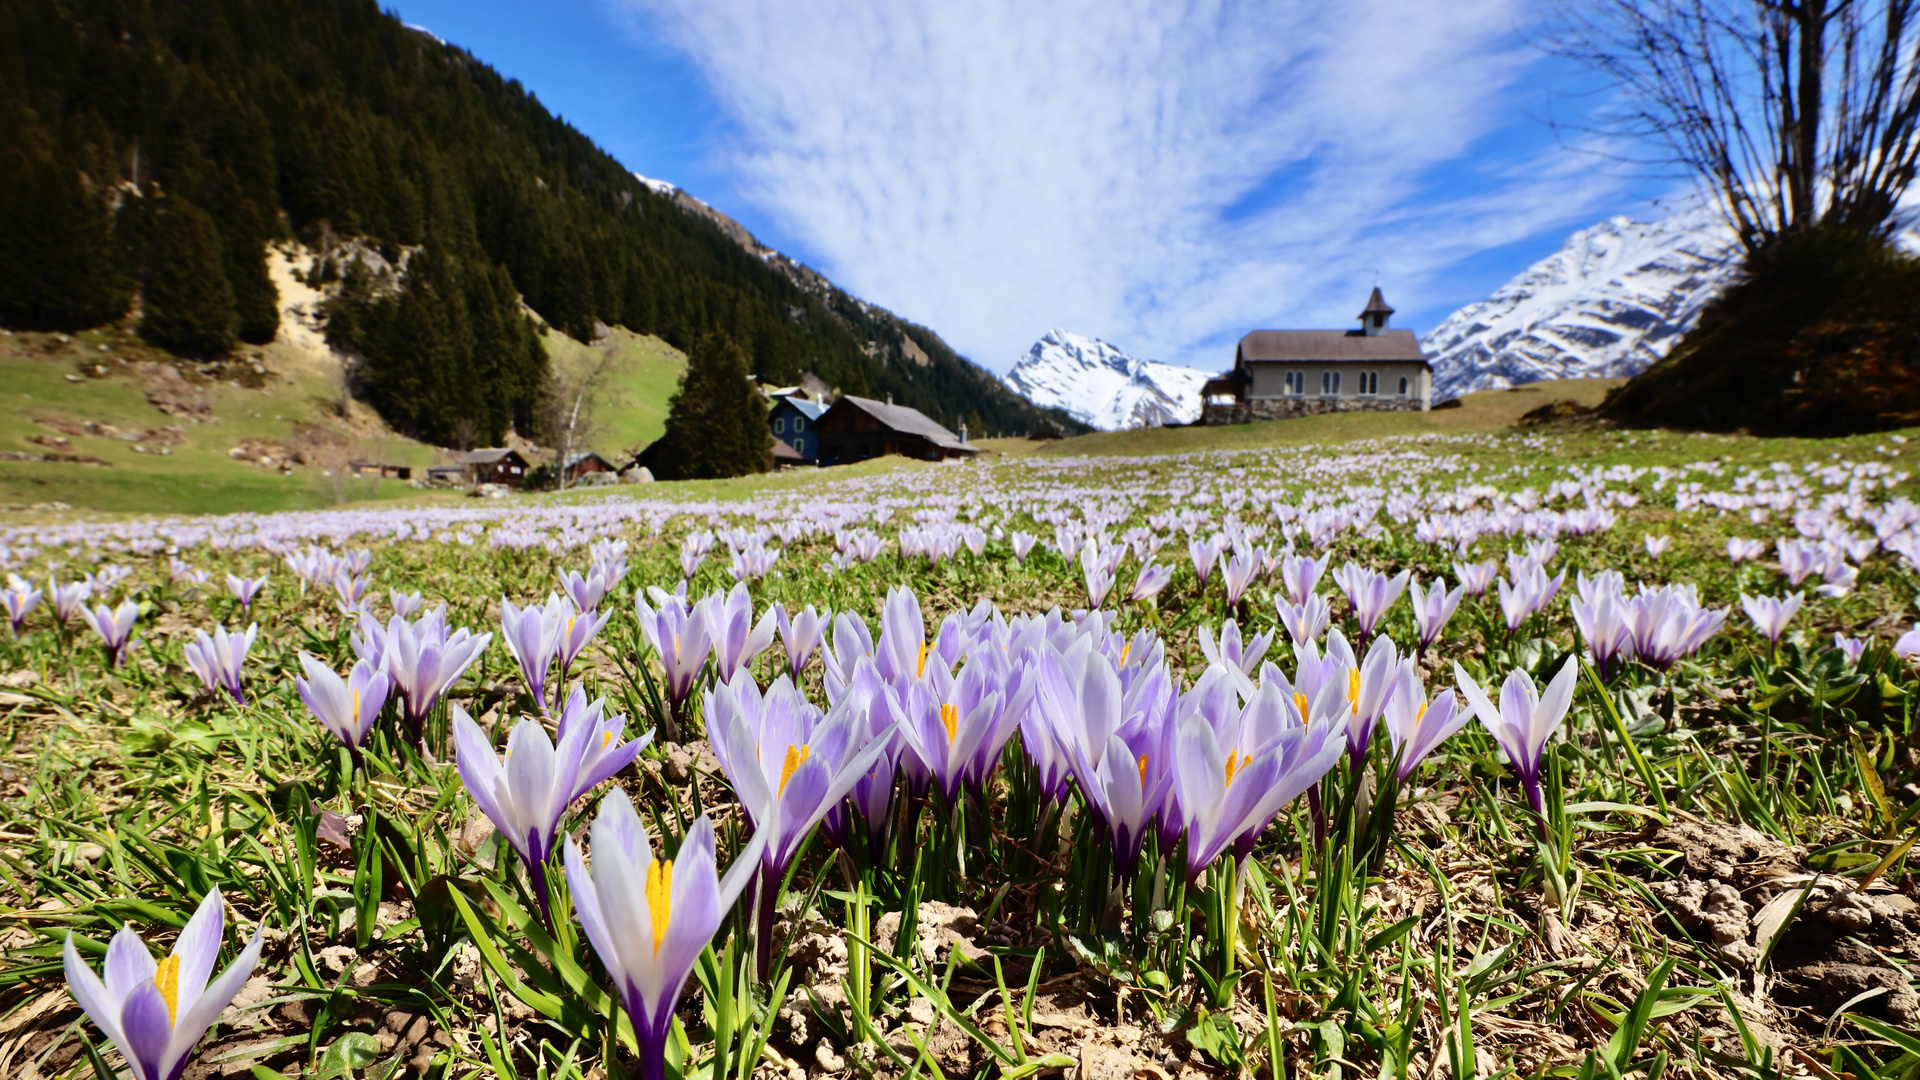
pixel 59 269
pixel 188 303
pixel 717 421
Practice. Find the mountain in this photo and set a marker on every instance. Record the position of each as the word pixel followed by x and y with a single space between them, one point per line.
pixel 152 151
pixel 1609 303
pixel 1103 387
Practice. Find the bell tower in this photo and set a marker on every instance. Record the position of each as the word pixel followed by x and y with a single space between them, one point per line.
pixel 1374 319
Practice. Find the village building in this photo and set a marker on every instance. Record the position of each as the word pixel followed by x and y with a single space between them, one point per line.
pixel 1282 373
pixel 794 419
pixel 857 428
pixel 580 466
pixel 494 465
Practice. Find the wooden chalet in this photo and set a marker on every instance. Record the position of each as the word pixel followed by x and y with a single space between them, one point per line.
pixel 857 428
pixel 494 465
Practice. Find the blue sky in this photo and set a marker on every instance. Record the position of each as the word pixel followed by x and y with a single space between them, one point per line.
pixel 1163 175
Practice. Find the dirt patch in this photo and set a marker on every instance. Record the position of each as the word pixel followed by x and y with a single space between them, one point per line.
pixel 1738 888
pixel 171 392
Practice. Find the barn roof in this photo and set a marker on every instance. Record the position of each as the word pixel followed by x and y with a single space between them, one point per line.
pixel 488 456
pixel 1330 346
pixel 908 421
pixel 803 405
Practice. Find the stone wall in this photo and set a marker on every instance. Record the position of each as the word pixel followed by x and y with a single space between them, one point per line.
pixel 1246 412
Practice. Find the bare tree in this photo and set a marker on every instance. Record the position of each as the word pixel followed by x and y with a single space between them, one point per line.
pixel 1795 113
pixel 575 402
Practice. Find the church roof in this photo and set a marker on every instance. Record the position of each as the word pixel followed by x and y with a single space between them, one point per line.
pixel 1376 302
pixel 1301 346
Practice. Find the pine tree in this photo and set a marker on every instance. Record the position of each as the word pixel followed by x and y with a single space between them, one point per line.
pixel 189 304
pixel 717 421
pixel 58 266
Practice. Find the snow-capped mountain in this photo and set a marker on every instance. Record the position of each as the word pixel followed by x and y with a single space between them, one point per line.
pixel 1609 303
pixel 1101 386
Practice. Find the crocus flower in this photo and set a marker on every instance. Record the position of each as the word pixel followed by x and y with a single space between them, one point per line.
pixel 679 639
pixel 649 919
pixel 577 631
pixel 604 754
pixel 1770 614
pixel 800 636
pixel 693 551
pixel 1907 645
pixel 1478 577
pixel 425 659
pixel 346 707
pixel 1022 543
pixel 1124 784
pixel 1227 795
pixel 1149 581
pixel 526 793
pixel 1229 649
pixel 1306 620
pixel 945 721
pixel 1657 545
pixel 405 605
pixel 1669 623
pixel 20 597
pixel 1237 572
pixel 217 659
pixel 154 1013
pixel 1368 687
pixel 1300 575
pixel 1204 553
pixel 1433 609
pixel 115 627
pixel 1416 726
pixel 1370 593
pixel 735 638
pixel 1851 648
pixel 1606 623
pixel 532 635
pixel 245 589
pixel 1527 594
pixel 1525 720
pixel 69 600
pixel 586 592
pixel 1740 549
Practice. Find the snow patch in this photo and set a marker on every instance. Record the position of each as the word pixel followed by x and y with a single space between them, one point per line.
pixel 1101 386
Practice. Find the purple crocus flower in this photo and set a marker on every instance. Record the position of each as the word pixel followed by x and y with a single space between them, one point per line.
pixel 1307 619
pixel 1669 623
pixel 1852 648
pixel 1657 544
pixel 245 589
pixel 1525 720
pixel 1433 609
pixel 1606 623
pixel 405 605
pixel 735 638
pixel 532 635
pixel 693 552
pixel 1740 549
pixel 800 636
pixel 1124 783
pixel 1416 726
pixel 649 919
pixel 679 639
pixel 1022 544
pixel 154 1013
pixel 1770 614
pixel 587 592
pixel 1529 593
pixel 20 597
pixel 425 659
pixel 1368 687
pixel 1204 553
pixel 217 659
pixel 69 600
pixel 1237 572
pixel 577 631
pixel 946 720
pixel 527 792
pixel 1370 592
pixel 1229 794
pixel 1300 576
pixel 1478 577
pixel 115 627
pixel 875 709
pixel 346 707
pixel 1149 581
pixel 1098 566
pixel 604 755
pixel 1230 650
pixel 789 766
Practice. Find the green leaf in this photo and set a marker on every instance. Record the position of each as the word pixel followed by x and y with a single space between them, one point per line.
pixel 348 1054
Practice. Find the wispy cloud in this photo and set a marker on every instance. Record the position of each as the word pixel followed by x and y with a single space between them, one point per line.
pixel 1164 175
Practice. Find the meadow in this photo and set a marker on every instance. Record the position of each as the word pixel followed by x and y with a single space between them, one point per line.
pixel 1455 752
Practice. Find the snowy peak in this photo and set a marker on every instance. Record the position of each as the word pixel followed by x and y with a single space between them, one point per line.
pixel 1101 386
pixel 1609 303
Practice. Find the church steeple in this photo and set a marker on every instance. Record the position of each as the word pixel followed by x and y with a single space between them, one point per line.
pixel 1374 319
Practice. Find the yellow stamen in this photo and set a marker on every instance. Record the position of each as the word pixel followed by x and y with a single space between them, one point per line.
pixel 795 755
pixel 1143 770
pixel 1124 650
pixel 1353 688
pixel 356 705
pixel 1418 713
pixel 950 719
pixel 1300 702
pixel 1232 767
pixel 606 739
pixel 167 980
pixel 922 672
pixel 659 899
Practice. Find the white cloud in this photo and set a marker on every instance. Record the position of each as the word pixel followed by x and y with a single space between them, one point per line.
pixel 999 167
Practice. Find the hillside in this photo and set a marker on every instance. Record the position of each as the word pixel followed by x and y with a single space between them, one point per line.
pixel 156 149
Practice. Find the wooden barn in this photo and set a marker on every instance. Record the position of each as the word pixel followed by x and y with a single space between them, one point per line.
pixel 494 465
pixel 857 428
